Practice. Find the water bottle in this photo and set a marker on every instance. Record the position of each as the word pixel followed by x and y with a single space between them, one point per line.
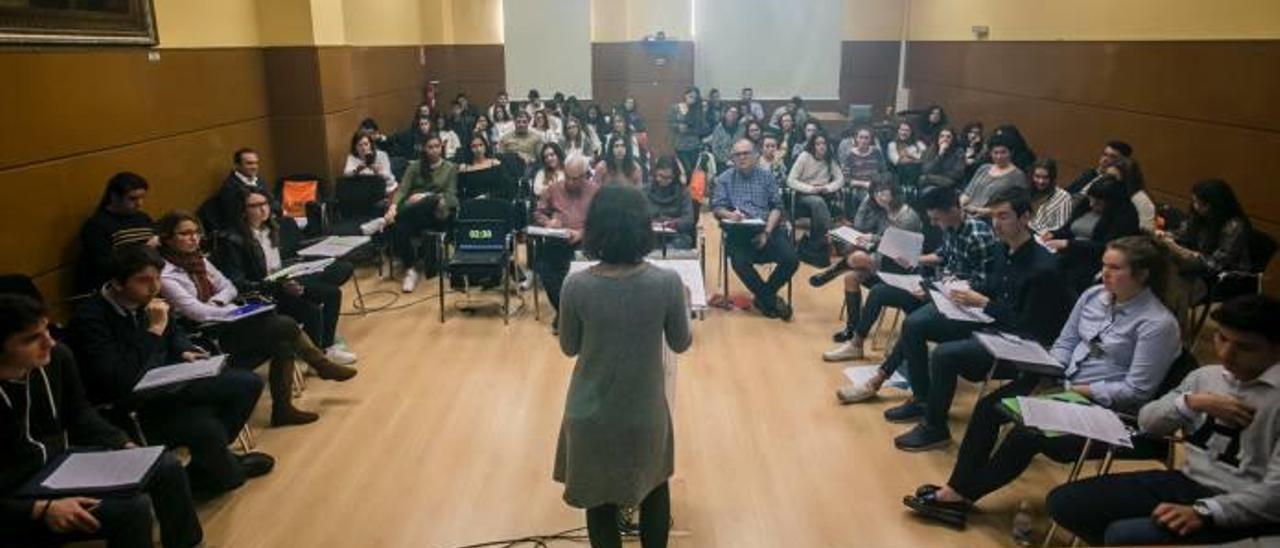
pixel 1022 525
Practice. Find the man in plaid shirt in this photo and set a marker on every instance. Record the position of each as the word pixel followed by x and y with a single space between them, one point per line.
pixel 749 192
pixel 969 251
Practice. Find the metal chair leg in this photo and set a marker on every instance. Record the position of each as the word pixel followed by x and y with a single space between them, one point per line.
pixel 982 389
pixel 245 438
pixel 299 380
pixel 137 428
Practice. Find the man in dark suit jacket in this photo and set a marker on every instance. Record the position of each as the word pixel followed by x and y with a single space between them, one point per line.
pixel 218 213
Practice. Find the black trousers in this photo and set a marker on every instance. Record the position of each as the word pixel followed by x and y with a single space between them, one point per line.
pixel 744 255
pixel 655 521
pixel 254 339
pixel 551 264
pixel 126 519
pixel 883 295
pixel 320 304
pixel 411 221
pixel 204 416
pixel 947 363
pixel 1116 509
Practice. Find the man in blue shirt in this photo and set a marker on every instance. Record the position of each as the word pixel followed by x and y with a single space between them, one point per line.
pixel 745 196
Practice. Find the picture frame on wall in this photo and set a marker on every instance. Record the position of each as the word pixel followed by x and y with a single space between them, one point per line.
pixel 78 22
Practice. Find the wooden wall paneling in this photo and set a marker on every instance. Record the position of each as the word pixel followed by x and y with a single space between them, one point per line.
pixel 479 70
pixel 293 81
pixel 619 69
pixel 868 73
pixel 80 101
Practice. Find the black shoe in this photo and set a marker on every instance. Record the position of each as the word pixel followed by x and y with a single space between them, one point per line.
pixel 843 335
pixel 766 310
pixel 922 437
pixel 783 309
pixel 907 412
pixel 927 506
pixel 825 276
pixel 256 464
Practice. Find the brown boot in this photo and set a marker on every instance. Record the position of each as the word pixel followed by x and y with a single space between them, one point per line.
pixel 283 413
pixel 324 368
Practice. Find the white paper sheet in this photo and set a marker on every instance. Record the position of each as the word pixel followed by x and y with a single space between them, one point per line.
pixel 690 271
pixel 301 269
pixel 956 312
pixel 1009 347
pixel 744 222
pixel 334 246
pixel 860 374
pixel 659 228
pixel 181 372
pixel 1090 421
pixel 850 236
pixel 896 243
pixel 906 282
pixel 103 470
pixel 534 230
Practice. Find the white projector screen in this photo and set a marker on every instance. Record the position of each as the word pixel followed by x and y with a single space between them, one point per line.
pixel 547 46
pixel 779 48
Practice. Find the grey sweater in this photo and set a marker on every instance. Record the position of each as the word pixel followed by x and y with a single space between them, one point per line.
pixel 1242 465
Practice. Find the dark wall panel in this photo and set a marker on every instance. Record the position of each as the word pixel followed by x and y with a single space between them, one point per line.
pixel 619 69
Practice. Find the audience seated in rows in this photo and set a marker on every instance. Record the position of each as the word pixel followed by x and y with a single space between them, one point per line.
pixel 749 192
pixel 1227 489
pixel 1117 347
pixel 45 415
pixel 118 221
pixel 122 331
pixel 200 293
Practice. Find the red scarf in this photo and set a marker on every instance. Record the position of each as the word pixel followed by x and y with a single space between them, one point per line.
pixel 194 264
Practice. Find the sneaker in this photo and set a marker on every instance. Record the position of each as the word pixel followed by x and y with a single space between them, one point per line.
pixel 410 281
pixel 847 351
pixel 922 437
pixel 340 356
pixel 373 227
pixel 907 412
pixel 856 393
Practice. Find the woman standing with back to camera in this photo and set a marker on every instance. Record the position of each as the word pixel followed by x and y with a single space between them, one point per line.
pixel 616 444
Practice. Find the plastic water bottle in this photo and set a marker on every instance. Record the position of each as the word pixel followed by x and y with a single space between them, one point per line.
pixel 1022 525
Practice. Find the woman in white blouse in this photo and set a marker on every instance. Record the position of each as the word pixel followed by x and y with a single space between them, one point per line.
pixel 542 126
pixel 364 160
pixel 503 124
pixel 552 170
pixel 906 148
pixel 579 139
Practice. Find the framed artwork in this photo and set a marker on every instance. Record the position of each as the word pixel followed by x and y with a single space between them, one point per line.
pixel 71 22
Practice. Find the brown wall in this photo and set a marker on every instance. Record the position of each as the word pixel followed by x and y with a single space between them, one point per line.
pixel 479 70
pixel 75 117
pixel 1191 110
pixel 619 69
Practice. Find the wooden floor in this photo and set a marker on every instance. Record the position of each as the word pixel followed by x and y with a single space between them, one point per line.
pixel 447 438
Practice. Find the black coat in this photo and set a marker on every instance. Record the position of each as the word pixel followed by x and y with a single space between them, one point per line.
pixel 52 404
pixel 239 257
pixel 218 213
pixel 117 350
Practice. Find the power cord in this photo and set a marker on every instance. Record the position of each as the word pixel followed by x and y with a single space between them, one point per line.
pixel 577 534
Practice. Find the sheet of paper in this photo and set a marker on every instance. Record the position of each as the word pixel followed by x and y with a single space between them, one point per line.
pixel 851 236
pixel 956 312
pixel 534 230
pixel 859 374
pixel 103 470
pixel 301 269
pixel 1090 421
pixel 181 372
pixel 690 271
pixel 1009 347
pixel 334 246
pixel 906 282
pixel 896 243
pixel 660 228
pixel 744 222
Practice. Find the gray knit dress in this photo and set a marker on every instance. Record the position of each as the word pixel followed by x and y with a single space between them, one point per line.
pixel 616 442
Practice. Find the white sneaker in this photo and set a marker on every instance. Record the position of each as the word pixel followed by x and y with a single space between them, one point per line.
pixel 373 227
pixel 856 393
pixel 410 280
pixel 339 356
pixel 847 351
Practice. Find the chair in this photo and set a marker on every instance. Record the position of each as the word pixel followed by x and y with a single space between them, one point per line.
pixel 483 249
pixel 1145 447
pixel 1234 283
pixel 724 263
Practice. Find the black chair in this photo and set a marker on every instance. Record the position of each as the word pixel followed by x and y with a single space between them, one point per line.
pixel 483 242
pixel 1234 283
pixel 357 199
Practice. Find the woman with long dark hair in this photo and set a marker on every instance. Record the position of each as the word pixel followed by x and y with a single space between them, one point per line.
pixel 934 122
pixel 943 161
pixel 550 168
pixel 579 139
pixel 616 446
pixel 619 164
pixel 427 199
pixel 687 122
pixel 1051 204
pixel 816 180
pixel 1080 243
pixel 1214 240
pixel 364 159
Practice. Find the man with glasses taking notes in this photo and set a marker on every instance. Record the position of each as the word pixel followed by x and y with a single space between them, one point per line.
pixel 748 204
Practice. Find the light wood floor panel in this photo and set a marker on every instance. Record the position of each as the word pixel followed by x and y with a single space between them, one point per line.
pixel 447 437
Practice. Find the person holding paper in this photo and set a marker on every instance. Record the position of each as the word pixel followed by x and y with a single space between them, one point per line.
pixel 885 209
pixel 616 442
pixel 670 205
pixel 749 192
pixel 1229 486
pixel 257 247
pixel 563 205
pixel 1117 347
pixel 42 409
pixel 426 200
pixel 199 292
pixel 968 252
pixel 121 332
pixel 1026 294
